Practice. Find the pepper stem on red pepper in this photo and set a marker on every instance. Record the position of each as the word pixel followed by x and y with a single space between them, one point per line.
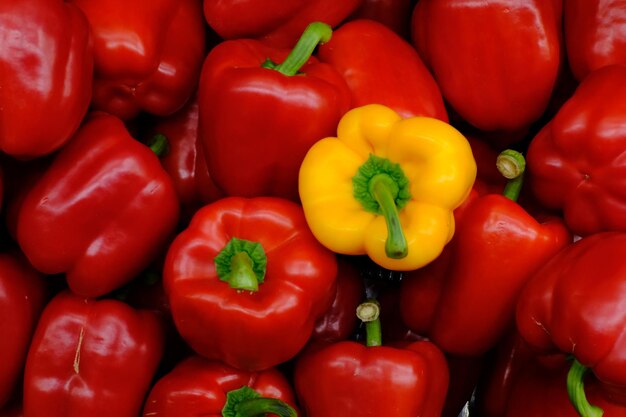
pixel 512 165
pixel 246 402
pixel 382 188
pixel 576 391
pixel 315 33
pixel 369 313
pixel 242 264
pixel 159 144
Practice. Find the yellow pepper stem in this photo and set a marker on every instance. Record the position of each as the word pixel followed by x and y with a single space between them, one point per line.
pixel 380 188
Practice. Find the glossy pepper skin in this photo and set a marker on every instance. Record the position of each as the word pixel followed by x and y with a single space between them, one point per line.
pixel 91 358
pixel 520 384
pixel 575 304
pixel 465 300
pixel 148 55
pixel 381 67
pixel 595 34
pixel 351 379
pixel 23 294
pixel 496 61
pixel 46 62
pixel 274 22
pixel 212 268
pixel 184 159
pixel 198 387
pixel 426 167
pixel 101 212
pixel 575 162
pixel 257 123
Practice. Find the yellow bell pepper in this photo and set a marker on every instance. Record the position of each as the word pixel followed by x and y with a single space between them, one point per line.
pixel 386 186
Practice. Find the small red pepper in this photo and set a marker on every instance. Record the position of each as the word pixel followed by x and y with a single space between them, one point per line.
pixel 381 67
pixel 259 118
pixel 247 281
pixel 101 212
pixel 277 23
pixel 22 297
pixel 184 159
pixel 350 379
pixel 46 62
pixel 575 162
pixel 201 387
pixel 496 61
pixel 148 54
pixel 595 34
pixel 465 300
pixel 91 358
pixel 575 304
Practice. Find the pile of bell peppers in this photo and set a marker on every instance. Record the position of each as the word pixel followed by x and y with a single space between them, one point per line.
pixel 316 208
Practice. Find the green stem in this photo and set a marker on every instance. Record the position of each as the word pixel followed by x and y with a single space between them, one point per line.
pixel 262 406
pixel 369 313
pixel 576 391
pixel 242 264
pixel 512 165
pixel 380 188
pixel 314 34
pixel 159 144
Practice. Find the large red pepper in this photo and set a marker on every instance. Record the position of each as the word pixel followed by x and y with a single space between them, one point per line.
pixel 148 54
pixel 595 34
pixel 46 67
pixel 184 159
pixel 519 384
pixel 247 281
pixel 575 162
pixel 496 61
pixel 351 379
pixel 91 358
pixel 275 22
pixel 575 304
pixel 465 300
pixel 101 212
pixel 201 387
pixel 381 67
pixel 257 123
pixel 22 297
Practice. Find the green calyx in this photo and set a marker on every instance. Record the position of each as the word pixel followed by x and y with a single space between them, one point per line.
pixel 159 144
pixel 382 188
pixel 242 264
pixel 315 33
pixel 576 391
pixel 512 164
pixel 246 402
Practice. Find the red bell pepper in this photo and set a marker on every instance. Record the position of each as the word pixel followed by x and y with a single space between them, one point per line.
pixel 91 358
pixel 148 54
pixel 275 22
pixel 201 387
pixel 395 14
pixel 496 61
pixel 247 281
pixel 575 304
pixel 101 212
pixel 575 162
pixel 46 62
pixel 22 297
pixel 465 300
pixel 350 379
pixel 339 321
pixel 381 67
pixel 257 123
pixel 184 160
pixel 595 34
pixel 520 384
